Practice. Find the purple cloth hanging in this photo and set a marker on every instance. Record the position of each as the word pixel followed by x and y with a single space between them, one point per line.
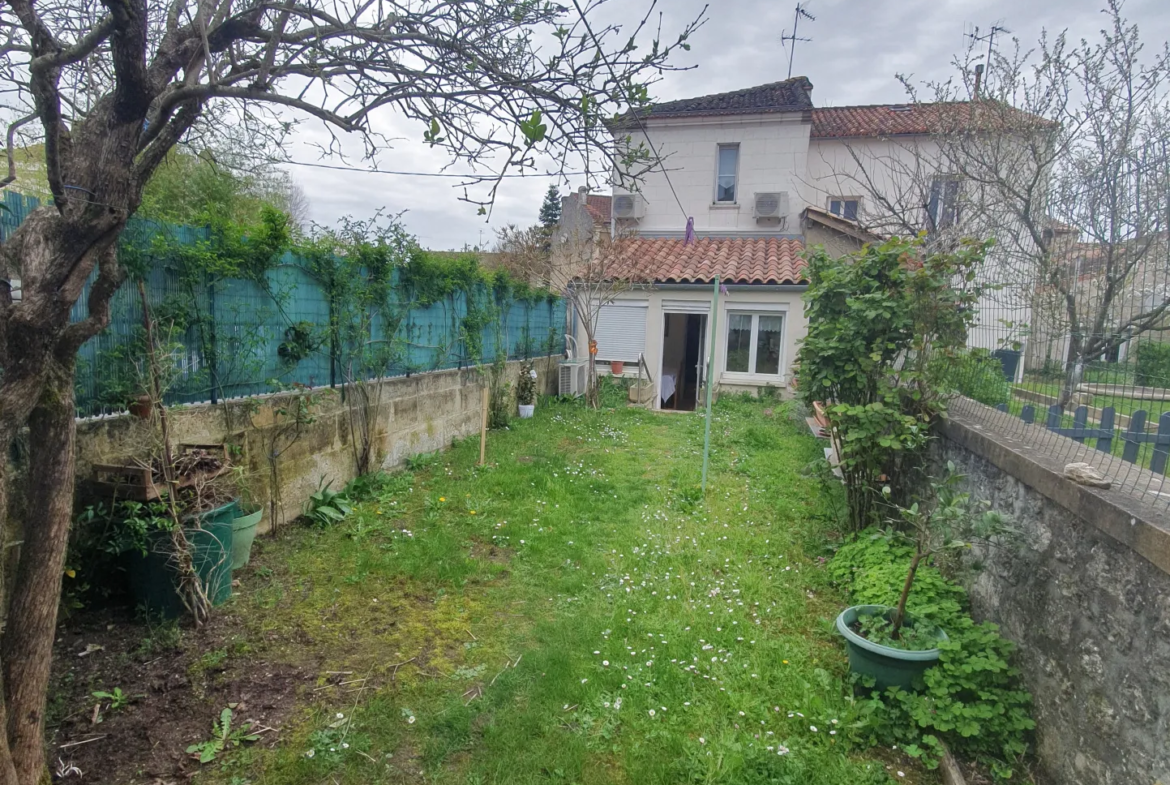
pixel 689 235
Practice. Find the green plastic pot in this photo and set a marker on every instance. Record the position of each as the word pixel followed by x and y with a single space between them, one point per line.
pixel 888 666
pixel 243 534
pixel 154 580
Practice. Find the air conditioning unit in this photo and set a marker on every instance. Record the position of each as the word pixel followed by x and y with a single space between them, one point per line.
pixel 571 377
pixel 773 204
pixel 629 206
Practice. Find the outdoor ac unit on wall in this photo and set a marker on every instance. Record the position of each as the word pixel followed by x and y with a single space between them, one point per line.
pixel 571 377
pixel 771 205
pixel 629 206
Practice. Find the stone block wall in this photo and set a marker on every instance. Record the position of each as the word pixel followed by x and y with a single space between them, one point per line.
pixel 1086 596
pixel 415 415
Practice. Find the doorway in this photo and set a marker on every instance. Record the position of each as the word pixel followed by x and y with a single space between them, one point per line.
pixel 683 372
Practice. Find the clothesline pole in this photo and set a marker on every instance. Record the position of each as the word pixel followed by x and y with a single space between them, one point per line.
pixel 710 369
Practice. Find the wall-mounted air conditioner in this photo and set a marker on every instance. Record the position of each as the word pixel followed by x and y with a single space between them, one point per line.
pixel 630 206
pixel 571 377
pixel 770 205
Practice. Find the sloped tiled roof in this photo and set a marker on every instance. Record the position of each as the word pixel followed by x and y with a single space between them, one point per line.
pixel 765 260
pixel 881 120
pixel 599 207
pixel 791 95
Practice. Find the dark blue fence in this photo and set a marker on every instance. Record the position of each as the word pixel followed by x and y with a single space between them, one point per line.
pixel 1130 441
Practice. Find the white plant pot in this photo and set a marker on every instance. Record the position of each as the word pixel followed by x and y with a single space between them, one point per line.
pixel 527 410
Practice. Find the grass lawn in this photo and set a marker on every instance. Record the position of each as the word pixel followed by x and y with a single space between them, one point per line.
pixel 574 612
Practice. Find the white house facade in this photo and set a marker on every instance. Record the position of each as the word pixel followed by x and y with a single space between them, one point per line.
pixel 760 173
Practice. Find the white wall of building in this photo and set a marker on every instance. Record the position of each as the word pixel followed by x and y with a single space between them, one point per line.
pixel 772 151
pixel 660 301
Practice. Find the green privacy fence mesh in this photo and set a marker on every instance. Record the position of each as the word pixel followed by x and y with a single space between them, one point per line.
pixel 231 338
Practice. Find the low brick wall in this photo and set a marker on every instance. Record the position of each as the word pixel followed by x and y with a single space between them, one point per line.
pixel 416 415
pixel 1086 595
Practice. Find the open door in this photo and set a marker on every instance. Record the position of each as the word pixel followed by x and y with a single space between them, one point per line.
pixel 701 365
pixel 683 371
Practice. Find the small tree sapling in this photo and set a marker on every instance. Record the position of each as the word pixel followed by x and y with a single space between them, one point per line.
pixel 946 519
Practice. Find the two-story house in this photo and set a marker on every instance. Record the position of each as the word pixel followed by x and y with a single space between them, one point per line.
pixel 764 175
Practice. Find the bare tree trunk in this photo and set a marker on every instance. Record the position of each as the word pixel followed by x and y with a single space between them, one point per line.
pixel 900 611
pixel 28 640
pixel 1073 369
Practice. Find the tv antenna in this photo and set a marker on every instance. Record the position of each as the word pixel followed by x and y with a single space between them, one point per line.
pixel 978 38
pixel 801 11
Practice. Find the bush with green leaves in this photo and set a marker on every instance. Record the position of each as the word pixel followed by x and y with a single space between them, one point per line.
pixel 979 376
pixel 879 321
pixel 1153 364
pixel 327 507
pixel 972 700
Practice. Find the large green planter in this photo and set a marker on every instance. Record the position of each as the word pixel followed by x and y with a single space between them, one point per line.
pixel 243 534
pixel 153 577
pixel 888 666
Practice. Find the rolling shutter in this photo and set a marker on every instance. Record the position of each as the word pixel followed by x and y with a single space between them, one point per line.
pixel 621 331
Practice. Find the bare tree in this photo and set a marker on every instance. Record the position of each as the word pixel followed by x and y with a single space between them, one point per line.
pixel 1060 154
pixel 109 88
pixel 588 267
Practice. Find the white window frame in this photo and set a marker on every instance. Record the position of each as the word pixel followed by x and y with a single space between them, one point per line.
pixel 842 200
pixel 718 150
pixel 755 310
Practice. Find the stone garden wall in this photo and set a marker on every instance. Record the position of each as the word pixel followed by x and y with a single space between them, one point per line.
pixel 416 414
pixel 1086 595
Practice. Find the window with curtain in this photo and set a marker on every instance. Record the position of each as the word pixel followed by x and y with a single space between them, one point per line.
pixel 943 206
pixel 726 172
pixel 845 207
pixel 754 343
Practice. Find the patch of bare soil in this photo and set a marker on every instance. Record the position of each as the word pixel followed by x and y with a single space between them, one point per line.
pixel 489 552
pixel 177 685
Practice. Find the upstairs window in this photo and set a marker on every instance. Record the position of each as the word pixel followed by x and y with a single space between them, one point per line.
pixel 845 207
pixel 726 172
pixel 943 207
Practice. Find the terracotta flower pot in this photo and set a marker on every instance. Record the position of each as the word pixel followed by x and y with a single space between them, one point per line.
pixel 141 406
pixel 617 367
pixel 819 414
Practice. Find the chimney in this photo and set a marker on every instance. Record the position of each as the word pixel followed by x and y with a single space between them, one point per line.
pixel 978 78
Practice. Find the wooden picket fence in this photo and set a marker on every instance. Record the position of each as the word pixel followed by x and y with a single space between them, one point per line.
pixel 1132 437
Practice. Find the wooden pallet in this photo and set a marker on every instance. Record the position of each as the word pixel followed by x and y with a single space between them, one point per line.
pixel 136 482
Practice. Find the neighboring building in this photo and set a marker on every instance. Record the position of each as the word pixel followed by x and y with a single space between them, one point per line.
pixel 1137 271
pixel 764 175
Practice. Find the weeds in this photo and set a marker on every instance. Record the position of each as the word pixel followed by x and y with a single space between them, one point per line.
pixel 223 737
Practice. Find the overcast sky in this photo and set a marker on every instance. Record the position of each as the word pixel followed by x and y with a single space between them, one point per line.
pixel 857 47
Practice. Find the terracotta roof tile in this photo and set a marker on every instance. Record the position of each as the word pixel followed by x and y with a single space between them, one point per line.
pixel 790 95
pixel 768 260
pixel 599 207
pixel 880 120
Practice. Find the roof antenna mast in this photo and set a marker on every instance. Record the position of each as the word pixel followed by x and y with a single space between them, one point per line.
pixel 801 11
pixel 989 37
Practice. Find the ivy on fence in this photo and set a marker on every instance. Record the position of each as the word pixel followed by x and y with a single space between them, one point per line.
pixel 248 311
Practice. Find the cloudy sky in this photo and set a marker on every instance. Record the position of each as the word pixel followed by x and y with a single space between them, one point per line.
pixel 857 47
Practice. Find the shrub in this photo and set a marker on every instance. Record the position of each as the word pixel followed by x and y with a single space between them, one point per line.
pixel 1153 364
pixel 972 699
pixel 979 376
pixel 877 321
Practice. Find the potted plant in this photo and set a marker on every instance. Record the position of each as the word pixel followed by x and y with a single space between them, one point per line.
pixel 141 407
pixel 526 390
pixel 886 642
pixel 244 525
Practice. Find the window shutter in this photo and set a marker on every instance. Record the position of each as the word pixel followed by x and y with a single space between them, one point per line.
pixel 621 331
